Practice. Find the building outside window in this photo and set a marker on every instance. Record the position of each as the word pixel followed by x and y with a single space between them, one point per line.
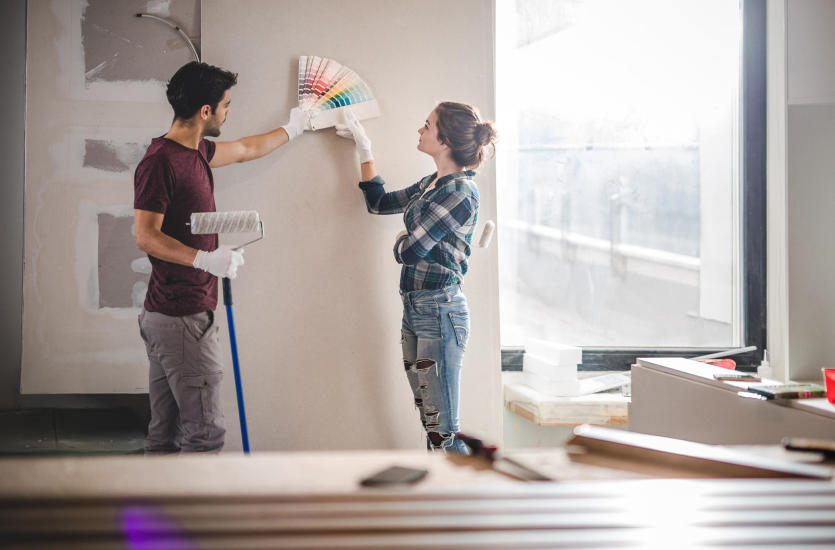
pixel 620 173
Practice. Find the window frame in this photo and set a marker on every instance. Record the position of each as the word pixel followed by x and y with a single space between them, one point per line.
pixel 753 222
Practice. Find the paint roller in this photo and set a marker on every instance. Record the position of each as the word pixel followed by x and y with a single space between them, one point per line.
pixel 240 221
pixel 243 221
pixel 486 234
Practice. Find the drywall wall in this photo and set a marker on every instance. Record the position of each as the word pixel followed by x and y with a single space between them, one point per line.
pixel 13 63
pixel 317 305
pixel 95 96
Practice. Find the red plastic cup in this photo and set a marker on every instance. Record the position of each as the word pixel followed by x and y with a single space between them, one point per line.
pixel 829 382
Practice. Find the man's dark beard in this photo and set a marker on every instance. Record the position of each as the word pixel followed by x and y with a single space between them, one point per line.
pixel 213 131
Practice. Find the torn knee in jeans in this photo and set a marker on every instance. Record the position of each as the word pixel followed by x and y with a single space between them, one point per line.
pixel 431 423
pixel 421 365
pixel 425 364
pixel 439 440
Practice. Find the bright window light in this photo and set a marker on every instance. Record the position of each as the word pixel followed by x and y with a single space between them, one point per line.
pixel 619 165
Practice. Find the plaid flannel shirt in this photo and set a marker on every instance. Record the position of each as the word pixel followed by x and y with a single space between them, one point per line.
pixel 439 227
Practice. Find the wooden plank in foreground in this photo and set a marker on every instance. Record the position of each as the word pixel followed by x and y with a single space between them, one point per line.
pixel 691 458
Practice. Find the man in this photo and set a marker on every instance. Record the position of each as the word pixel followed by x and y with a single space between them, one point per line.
pixel 172 181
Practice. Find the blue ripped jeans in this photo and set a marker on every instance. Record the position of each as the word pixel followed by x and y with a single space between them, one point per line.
pixel 436 327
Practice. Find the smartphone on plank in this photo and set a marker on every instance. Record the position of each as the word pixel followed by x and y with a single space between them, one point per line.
pixel 393 475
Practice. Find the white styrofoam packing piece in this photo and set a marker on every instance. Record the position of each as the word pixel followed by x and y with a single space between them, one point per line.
pixel 543 384
pixel 558 354
pixel 543 367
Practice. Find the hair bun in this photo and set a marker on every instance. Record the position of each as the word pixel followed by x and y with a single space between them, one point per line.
pixel 461 128
pixel 485 133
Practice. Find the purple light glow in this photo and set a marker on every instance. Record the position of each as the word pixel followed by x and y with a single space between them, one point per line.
pixel 148 528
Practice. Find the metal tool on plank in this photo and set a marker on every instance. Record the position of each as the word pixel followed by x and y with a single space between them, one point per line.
pixel 499 461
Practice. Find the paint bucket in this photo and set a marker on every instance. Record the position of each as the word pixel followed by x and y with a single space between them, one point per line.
pixel 829 382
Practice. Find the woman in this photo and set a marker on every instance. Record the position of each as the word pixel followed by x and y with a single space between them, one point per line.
pixel 440 213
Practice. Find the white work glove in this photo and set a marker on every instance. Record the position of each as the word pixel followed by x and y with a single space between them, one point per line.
pixel 295 126
pixel 352 129
pixel 223 262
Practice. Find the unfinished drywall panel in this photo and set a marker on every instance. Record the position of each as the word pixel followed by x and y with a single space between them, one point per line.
pixel 112 47
pixel 317 308
pixel 117 47
pixel 83 275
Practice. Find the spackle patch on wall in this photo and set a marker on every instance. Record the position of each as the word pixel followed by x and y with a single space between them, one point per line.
pixel 112 157
pixel 161 8
pixel 118 46
pixel 122 270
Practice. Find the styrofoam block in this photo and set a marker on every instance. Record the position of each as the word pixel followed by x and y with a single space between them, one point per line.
pixel 538 365
pixel 543 384
pixel 558 354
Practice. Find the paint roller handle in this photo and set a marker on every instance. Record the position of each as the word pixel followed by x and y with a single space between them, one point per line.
pixel 227 291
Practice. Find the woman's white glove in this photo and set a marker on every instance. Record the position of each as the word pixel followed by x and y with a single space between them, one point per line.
pixel 295 126
pixel 223 262
pixel 352 129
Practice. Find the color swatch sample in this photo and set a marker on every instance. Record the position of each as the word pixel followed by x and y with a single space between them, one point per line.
pixel 326 86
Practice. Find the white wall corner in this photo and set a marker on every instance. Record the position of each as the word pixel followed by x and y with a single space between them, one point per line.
pixel 776 191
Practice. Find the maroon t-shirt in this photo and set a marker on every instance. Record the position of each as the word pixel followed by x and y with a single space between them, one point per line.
pixel 176 181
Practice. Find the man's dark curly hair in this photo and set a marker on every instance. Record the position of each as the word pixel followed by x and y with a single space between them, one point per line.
pixel 196 84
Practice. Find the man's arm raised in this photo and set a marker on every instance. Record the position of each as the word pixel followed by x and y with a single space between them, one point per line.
pixel 253 147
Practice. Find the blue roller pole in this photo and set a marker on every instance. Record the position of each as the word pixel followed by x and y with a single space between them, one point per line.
pixel 227 301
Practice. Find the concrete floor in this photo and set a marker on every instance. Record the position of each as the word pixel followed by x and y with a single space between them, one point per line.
pixel 70 432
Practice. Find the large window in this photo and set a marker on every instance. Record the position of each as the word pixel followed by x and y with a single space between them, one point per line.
pixel 624 188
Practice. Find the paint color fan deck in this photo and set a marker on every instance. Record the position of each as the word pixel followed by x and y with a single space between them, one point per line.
pixel 326 87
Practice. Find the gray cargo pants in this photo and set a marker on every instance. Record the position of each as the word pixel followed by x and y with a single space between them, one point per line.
pixel 185 376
